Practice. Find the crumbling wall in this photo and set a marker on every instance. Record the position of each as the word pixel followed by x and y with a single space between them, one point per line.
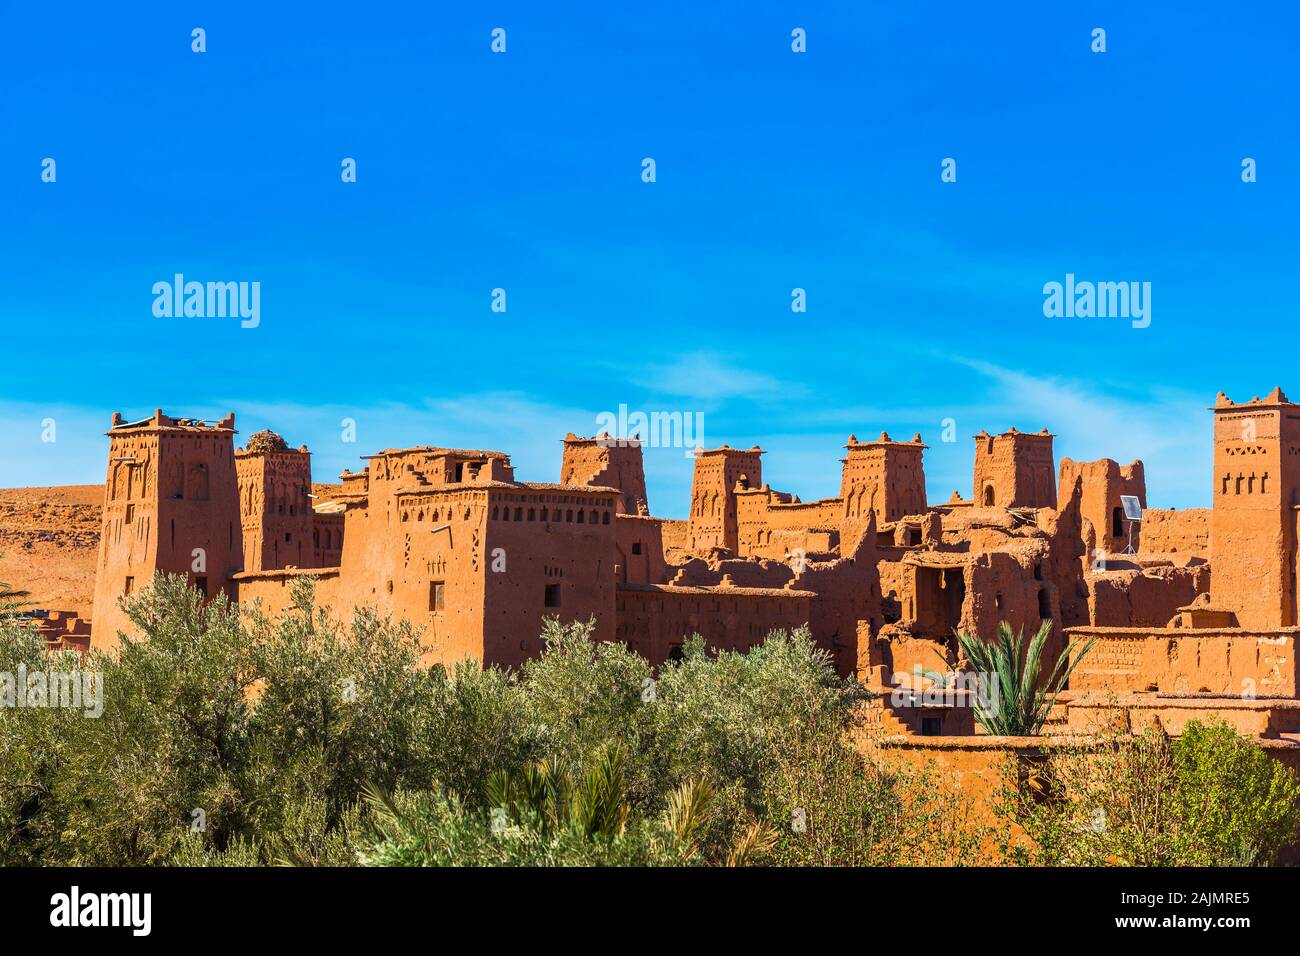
pixel 1103 482
pixel 1143 597
pixel 1169 531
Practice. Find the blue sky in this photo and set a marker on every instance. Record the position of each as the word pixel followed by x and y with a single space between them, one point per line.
pixel 522 171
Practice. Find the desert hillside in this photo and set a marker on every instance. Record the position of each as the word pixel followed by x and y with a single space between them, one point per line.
pixel 49 541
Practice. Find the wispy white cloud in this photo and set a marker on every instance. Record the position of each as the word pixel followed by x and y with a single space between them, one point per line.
pixel 706 377
pixel 1168 429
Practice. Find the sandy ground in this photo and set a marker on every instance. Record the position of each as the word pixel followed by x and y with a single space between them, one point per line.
pixel 49 542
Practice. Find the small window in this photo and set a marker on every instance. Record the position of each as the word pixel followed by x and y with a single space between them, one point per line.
pixel 636 547
pixel 201 585
pixel 1117 522
pixel 130 513
pixel 437 595
pixel 931 726
pixel 130 585
pixel 997 600
pixel 604 519
pixel 552 595
pixel 287 536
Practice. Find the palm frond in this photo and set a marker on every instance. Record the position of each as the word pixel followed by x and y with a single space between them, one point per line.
pixel 752 845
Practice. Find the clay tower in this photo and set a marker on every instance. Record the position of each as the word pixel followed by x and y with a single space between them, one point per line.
pixel 170 504
pixel 610 463
pixel 713 495
pixel 275 510
pixel 884 476
pixel 1253 522
pixel 1015 470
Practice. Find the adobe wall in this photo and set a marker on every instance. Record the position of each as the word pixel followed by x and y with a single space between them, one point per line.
pixel 1256 483
pixel 884 479
pixel 275 510
pixel 639 549
pixel 713 518
pixel 607 463
pixel 272 589
pixel 559 546
pixel 1143 597
pixel 1014 470
pixel 1103 482
pixel 676 534
pixel 1227 661
pixel 327 539
pixel 847 609
pixel 171 503
pixel 1169 531
pixel 772 525
pixel 1106 713
pixel 652 619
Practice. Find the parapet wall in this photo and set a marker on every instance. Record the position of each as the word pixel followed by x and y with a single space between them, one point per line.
pixel 1176 532
pixel 1227 661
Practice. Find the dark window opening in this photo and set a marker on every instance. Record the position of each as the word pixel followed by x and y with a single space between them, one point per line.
pixel 988 496
pixel 460 472
pixel 201 585
pixel 130 513
pixel 552 595
pixel 437 597
pixel 636 547
pixel 914 536
pixel 288 536
pixel 130 585
pixel 1117 522
pixel 931 726
pixel 1044 604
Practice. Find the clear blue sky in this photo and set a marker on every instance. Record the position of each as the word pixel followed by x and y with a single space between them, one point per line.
pixel 522 171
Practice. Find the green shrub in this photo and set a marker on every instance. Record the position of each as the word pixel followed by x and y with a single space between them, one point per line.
pixel 1206 798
